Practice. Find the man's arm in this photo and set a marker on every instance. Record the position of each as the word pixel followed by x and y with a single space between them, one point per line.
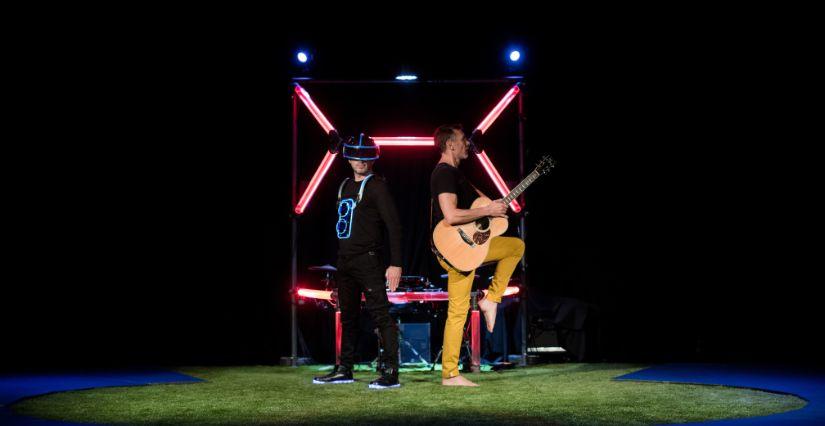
pixel 456 216
pixel 389 215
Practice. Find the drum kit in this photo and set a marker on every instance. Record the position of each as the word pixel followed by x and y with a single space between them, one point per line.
pixel 327 277
pixel 410 306
pixel 415 294
pixel 413 284
pixel 417 301
pixel 407 283
pixel 324 268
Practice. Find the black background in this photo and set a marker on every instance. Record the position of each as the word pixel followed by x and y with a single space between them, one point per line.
pixel 161 233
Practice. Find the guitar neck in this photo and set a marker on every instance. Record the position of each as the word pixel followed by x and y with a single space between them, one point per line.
pixel 521 186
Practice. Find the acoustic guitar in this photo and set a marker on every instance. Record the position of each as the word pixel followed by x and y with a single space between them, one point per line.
pixel 465 246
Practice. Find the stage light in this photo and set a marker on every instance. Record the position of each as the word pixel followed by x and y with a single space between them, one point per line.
pixel 515 56
pixel 404 140
pixel 406 77
pixel 302 57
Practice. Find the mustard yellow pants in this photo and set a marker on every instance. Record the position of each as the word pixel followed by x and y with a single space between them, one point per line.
pixel 507 251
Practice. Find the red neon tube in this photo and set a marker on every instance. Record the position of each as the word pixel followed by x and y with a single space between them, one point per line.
pixel 404 140
pixel 497 180
pixel 502 104
pixel 315 294
pixel 475 338
pixel 400 296
pixel 303 95
pixel 314 182
pixel 338 334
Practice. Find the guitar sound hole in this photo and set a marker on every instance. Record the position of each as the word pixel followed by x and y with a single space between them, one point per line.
pixel 481 237
pixel 483 224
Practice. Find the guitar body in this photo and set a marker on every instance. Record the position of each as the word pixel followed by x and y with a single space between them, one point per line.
pixel 465 246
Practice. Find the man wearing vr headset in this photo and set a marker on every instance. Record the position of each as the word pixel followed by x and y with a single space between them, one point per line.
pixel 365 208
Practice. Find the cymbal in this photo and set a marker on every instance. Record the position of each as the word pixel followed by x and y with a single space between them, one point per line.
pixel 329 268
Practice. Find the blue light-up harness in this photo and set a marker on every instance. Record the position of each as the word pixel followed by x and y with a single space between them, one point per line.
pixel 346 209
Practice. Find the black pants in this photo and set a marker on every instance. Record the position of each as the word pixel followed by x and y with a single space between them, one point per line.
pixel 365 273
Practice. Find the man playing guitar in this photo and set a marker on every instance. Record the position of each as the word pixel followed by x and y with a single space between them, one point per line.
pixel 453 196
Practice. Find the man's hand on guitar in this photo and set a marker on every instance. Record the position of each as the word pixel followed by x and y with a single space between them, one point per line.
pixel 497 209
pixel 393 275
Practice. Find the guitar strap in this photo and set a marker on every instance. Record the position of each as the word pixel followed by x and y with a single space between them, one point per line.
pixel 341 188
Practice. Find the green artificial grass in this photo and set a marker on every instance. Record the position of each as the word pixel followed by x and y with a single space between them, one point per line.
pixel 565 394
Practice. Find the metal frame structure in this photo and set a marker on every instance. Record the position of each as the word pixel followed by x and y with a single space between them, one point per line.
pixel 300 204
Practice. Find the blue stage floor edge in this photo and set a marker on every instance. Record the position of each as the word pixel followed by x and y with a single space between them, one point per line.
pixel 19 386
pixel 805 383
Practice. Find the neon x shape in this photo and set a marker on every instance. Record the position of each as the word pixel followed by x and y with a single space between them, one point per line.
pixel 329 157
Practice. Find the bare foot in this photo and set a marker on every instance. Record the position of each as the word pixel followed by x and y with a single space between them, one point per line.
pixel 489 309
pixel 457 381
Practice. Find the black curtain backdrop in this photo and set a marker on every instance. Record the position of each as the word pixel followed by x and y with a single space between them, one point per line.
pixel 158 231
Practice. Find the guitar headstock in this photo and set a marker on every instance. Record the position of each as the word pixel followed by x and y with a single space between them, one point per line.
pixel 545 165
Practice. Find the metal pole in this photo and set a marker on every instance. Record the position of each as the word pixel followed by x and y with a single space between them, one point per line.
pixel 523 226
pixel 294 272
pixel 475 334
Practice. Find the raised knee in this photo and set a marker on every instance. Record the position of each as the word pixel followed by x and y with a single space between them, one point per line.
pixel 519 250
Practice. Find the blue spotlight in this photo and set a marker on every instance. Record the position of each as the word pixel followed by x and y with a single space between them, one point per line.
pixel 302 57
pixel 406 77
pixel 515 55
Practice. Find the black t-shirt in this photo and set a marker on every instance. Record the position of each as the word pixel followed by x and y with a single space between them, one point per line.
pixel 446 178
pixel 373 214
